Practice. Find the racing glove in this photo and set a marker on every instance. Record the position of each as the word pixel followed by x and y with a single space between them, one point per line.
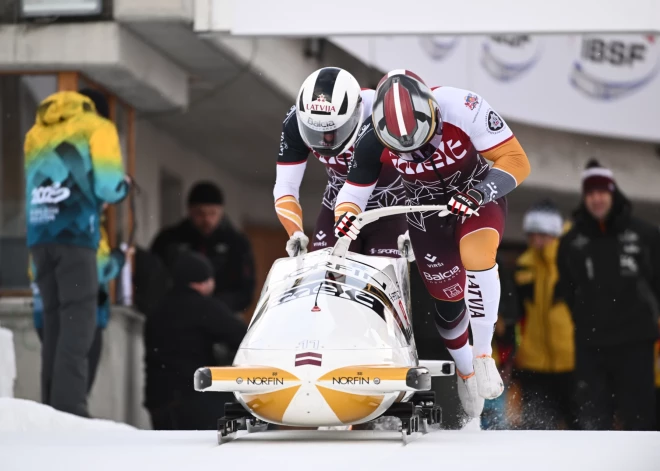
pixel 405 247
pixel 297 244
pixel 348 226
pixel 464 204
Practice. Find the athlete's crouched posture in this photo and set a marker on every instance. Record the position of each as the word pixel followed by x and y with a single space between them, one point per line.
pixel 325 121
pixel 436 140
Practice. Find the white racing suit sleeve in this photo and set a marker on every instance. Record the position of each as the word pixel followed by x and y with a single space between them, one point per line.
pixel 353 198
pixel 288 179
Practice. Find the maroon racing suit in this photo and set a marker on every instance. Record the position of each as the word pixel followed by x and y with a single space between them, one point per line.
pixel 379 237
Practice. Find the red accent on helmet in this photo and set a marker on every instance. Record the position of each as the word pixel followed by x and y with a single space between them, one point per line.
pixel 407 111
pixel 415 76
pixel 405 72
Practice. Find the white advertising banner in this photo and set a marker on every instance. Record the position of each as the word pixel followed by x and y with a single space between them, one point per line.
pixel 605 85
pixel 393 17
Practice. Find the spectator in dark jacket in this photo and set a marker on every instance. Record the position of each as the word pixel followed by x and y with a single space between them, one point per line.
pixel 179 339
pixel 208 231
pixel 609 268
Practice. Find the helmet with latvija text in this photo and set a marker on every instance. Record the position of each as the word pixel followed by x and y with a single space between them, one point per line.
pixel 329 111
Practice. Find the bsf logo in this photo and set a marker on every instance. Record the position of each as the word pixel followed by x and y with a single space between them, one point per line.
pixel 611 67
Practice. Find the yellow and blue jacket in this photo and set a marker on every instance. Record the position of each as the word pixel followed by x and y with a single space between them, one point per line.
pixel 73 165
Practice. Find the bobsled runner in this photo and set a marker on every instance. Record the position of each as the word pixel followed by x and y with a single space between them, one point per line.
pixel 330 344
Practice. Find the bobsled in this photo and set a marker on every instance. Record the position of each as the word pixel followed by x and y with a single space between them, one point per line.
pixel 330 344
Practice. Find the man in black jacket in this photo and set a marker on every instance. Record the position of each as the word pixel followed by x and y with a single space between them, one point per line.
pixel 179 338
pixel 609 268
pixel 208 231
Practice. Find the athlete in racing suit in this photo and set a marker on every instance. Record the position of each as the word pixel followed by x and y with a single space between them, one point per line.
pixel 437 141
pixel 331 98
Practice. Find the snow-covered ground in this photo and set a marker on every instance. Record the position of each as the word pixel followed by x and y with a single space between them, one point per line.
pixel 55 444
pixel 19 415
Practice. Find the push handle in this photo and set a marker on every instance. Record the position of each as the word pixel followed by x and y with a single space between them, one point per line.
pixel 367 217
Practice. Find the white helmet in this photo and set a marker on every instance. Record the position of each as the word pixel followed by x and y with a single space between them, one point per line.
pixel 329 111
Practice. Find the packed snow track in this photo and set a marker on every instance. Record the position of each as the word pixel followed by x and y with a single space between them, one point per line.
pixel 35 437
pixel 329 450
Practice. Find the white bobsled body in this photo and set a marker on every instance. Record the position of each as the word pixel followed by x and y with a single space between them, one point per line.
pixel 330 343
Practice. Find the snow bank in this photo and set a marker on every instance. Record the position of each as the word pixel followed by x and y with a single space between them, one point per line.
pixel 29 416
pixel 7 363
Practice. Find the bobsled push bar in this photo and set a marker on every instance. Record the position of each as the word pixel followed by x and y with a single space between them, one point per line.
pixel 367 217
pixel 363 379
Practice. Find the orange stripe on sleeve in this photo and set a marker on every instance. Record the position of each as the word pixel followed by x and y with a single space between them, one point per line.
pixel 346 208
pixel 510 158
pixel 289 213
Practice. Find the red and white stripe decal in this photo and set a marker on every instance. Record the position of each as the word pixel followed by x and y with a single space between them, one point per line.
pixel 399 115
pixel 400 72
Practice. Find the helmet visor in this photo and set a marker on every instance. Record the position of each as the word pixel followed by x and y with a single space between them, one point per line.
pixel 323 136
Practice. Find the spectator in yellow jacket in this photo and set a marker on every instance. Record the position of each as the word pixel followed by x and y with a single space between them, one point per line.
pixel 545 357
pixel 73 165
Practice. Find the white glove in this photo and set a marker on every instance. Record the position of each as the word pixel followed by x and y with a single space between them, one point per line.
pixel 348 226
pixel 404 245
pixel 297 244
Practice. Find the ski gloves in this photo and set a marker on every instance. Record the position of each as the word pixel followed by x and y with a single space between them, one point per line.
pixel 297 244
pixel 348 226
pixel 464 204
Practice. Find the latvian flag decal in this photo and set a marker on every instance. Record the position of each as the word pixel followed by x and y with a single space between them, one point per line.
pixel 308 358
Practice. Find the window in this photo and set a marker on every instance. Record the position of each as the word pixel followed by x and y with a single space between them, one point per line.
pixel 20 96
pixel 171 207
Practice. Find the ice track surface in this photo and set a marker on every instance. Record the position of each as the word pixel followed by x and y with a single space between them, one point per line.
pixel 43 445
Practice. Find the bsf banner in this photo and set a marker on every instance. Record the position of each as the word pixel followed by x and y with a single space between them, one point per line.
pixel 596 84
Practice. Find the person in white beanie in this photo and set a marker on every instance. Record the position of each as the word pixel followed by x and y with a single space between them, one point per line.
pixel 545 358
pixel 609 267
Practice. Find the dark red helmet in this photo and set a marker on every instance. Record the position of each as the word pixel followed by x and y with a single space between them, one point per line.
pixel 405 113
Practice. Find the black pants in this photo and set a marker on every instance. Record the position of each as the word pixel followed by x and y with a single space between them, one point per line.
pixel 616 380
pixel 68 283
pixel 192 411
pixel 547 400
pixel 93 359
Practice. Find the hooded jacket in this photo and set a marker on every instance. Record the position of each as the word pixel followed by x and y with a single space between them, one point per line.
pixel 546 339
pixel 73 165
pixel 610 276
